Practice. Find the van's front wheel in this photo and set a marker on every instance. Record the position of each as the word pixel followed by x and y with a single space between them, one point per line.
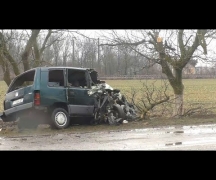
pixel 60 118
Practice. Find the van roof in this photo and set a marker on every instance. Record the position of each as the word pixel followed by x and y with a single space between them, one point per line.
pixel 54 67
pixel 61 67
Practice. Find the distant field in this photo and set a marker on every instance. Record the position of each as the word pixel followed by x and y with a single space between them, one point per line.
pixel 197 91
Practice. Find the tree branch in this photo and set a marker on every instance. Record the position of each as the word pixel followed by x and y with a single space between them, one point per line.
pixel 45 41
pixel 126 43
pixel 180 41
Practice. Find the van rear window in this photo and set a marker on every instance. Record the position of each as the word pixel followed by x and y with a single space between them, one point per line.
pixel 24 80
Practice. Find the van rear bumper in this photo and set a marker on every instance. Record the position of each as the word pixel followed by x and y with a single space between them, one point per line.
pixel 18 108
pixel 1 115
pixel 10 114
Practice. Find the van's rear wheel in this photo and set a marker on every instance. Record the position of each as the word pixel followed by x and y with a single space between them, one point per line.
pixel 60 118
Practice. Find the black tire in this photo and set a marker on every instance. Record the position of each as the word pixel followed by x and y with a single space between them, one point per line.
pixel 58 115
pixel 118 112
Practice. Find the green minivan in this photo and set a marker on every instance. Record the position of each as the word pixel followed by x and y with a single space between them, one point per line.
pixel 50 94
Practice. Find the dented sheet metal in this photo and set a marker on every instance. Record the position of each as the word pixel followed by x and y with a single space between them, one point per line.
pixel 112 106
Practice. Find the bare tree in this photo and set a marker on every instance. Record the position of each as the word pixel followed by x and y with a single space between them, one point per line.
pixel 88 53
pixel 149 96
pixel 46 41
pixel 31 41
pixel 56 50
pixel 109 61
pixel 15 44
pixel 6 60
pixel 172 52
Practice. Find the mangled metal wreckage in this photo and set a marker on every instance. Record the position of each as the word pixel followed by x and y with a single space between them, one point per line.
pixel 111 106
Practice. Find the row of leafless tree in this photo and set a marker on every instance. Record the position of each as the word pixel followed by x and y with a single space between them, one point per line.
pixel 131 52
pixel 25 49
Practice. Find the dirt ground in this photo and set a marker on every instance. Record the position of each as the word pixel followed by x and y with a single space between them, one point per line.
pixel 11 130
pixel 151 134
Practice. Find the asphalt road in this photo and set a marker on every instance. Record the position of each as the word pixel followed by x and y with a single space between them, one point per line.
pixel 169 138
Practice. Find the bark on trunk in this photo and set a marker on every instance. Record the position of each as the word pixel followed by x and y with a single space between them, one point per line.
pixel 6 71
pixel 37 55
pixel 175 80
pixel 5 53
pixel 178 108
pixel 27 50
pixel 178 88
pixel 7 78
pixel 12 62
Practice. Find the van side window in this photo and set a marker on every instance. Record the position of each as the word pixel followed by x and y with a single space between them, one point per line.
pixel 76 78
pixel 56 78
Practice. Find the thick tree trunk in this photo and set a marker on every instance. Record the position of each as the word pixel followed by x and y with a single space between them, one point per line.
pixel 37 55
pixel 12 62
pixel 7 78
pixel 6 71
pixel 175 79
pixel 4 56
pixel 178 88
pixel 27 50
pixel 178 109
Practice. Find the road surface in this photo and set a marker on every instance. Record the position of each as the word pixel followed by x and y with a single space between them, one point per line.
pixel 167 138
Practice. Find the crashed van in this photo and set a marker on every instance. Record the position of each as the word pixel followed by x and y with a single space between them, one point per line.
pixel 50 94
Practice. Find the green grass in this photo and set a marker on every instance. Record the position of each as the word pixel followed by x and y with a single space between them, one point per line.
pixel 197 91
